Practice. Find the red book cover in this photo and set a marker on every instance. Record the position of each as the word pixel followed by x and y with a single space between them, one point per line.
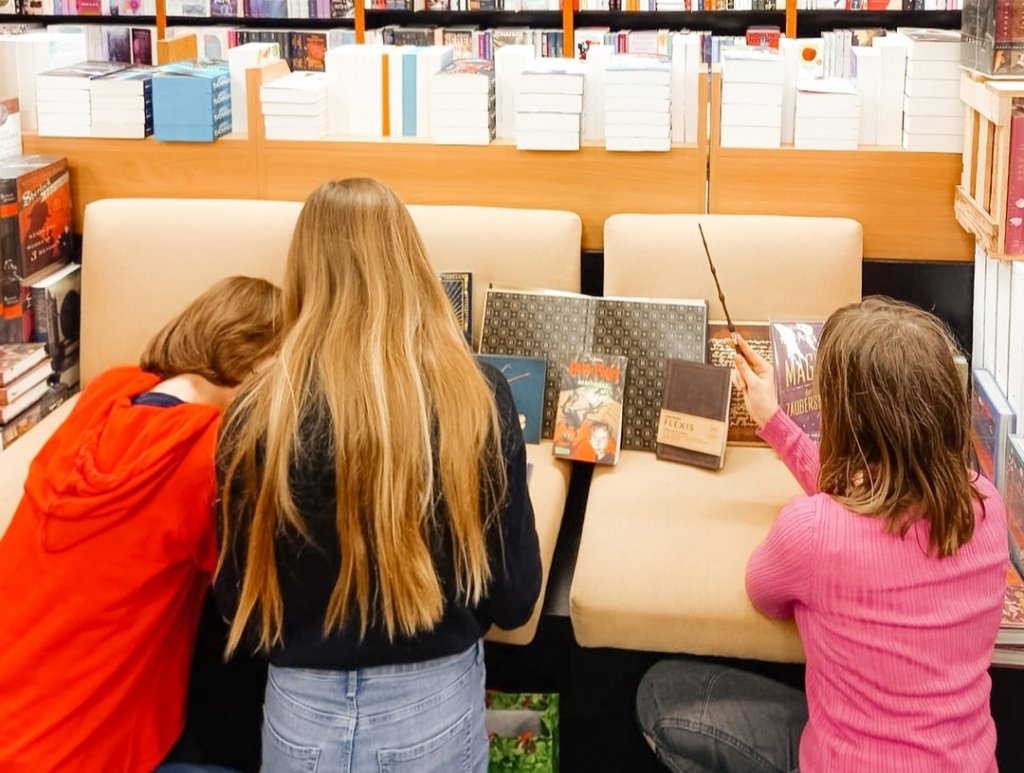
pixel 1014 244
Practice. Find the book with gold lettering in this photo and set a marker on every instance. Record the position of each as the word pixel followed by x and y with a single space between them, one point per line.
pixel 794 349
pixel 742 428
pixel 588 426
pixel 694 423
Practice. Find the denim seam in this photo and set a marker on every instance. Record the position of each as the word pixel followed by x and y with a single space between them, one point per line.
pixel 459 730
pixel 719 736
pixel 316 715
pixel 414 708
pixel 308 756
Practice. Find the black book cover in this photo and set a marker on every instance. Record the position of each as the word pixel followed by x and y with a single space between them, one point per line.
pixel 694 423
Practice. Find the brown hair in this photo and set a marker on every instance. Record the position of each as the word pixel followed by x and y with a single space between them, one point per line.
pixel 374 348
pixel 222 335
pixel 895 420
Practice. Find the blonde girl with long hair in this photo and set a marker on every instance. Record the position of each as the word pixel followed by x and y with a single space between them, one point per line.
pixel 893 565
pixel 375 518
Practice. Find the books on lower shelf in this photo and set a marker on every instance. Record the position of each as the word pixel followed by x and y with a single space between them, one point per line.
pixel 549 105
pixel 638 103
pixel 827 115
pixel 295 106
pixel 588 424
pixel 192 101
pixel 462 103
pixel 750 121
pixel 63 105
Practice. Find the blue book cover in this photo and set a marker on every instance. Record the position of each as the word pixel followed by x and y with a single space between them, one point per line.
pixel 526 377
pixel 458 286
pixel 213 73
pixel 191 115
pixel 409 63
pixel 992 423
pixel 166 133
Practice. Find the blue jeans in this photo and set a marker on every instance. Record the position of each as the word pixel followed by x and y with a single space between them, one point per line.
pixel 706 718
pixel 407 718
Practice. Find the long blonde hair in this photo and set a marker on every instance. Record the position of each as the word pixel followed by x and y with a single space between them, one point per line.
pixel 373 348
pixel 895 420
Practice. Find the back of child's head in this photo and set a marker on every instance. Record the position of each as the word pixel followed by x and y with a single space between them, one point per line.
pixel 895 420
pixel 222 335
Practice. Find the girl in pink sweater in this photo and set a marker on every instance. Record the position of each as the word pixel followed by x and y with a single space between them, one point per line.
pixel 893 564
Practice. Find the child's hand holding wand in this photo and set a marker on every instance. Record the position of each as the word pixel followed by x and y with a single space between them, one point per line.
pixel 754 377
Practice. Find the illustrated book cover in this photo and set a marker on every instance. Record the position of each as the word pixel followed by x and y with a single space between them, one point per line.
pixel 1014 499
pixel 1011 628
pixel 557 326
pixel 525 377
pixel 458 286
pixel 588 427
pixel 742 429
pixel 35 215
pixel 794 349
pixel 992 423
pixel 17 359
pixel 694 422
pixel 57 309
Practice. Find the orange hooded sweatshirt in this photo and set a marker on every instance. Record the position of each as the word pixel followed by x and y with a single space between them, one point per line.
pixel 103 572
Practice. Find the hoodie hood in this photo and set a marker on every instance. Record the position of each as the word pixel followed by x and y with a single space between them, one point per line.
pixel 110 457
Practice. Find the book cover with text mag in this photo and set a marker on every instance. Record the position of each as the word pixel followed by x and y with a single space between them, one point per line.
pixel 458 286
pixel 526 377
pixel 694 422
pixel 588 427
pixel 794 350
pixel 1014 498
pixel 742 429
pixel 992 423
pixel 556 326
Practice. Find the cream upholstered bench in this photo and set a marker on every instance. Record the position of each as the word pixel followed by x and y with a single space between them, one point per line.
pixel 144 259
pixel 664 546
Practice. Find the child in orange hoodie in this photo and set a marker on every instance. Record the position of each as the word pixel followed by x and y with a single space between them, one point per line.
pixel 109 556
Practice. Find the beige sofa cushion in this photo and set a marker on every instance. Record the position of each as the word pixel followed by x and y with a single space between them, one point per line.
pixel 145 259
pixel 663 554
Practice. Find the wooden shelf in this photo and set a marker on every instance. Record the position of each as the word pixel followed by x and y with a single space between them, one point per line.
pixel 904 200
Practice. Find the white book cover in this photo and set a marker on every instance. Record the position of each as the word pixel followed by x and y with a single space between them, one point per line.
pixel 24 56
pixel 430 60
pixel 890 95
pixel 303 109
pixel 592 98
pixel 452 136
pixel 240 59
pixel 824 143
pixel 62 109
pixel 118 117
pixel 119 103
pixel 988 360
pixel 919 87
pixel 823 128
pixel 509 62
pixel 930 45
pixel 135 131
pixel 549 122
pixel 980 284
pixel 639 104
pixel 933 106
pixel 125 83
pixel 526 140
pixel 751 136
pixel 1004 270
pixel 752 115
pixel 811 102
pixel 638 144
pixel 694 45
pixel 304 133
pixel 678 87
pixel 464 76
pixel 550 103
pixel 933 124
pixel 752 65
pixel 295 121
pixel 396 95
pixel 469 102
pixel 933 143
pixel 866 71
pixel 1015 339
pixel 300 86
pixel 337 68
pixel 625 118
pixel 620 131
pixel 757 94
pixel 633 70
pixel 461 119
pixel 933 70
pixel 553 76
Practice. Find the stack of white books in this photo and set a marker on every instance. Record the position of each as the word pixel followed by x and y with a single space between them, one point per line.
pixel 549 106
pixel 122 103
pixel 295 107
pixel 827 115
pixel 933 115
pixel 24 56
pixel 63 103
pixel 509 63
pixel 462 103
pixel 241 58
pixel 866 75
pixel 752 85
pixel 893 72
pixel 638 103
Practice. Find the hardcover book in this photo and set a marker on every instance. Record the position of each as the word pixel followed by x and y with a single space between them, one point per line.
pixel 588 427
pixel 57 309
pixel 526 377
pixel 1011 627
pixel 458 286
pixel 24 401
pixel 992 423
pixel 18 359
pixel 1014 498
pixel 557 326
pixel 22 385
pixel 694 421
pixel 742 429
pixel 794 349
pixel 53 397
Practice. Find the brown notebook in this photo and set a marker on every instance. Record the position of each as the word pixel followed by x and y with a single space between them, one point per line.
pixel 694 422
pixel 742 428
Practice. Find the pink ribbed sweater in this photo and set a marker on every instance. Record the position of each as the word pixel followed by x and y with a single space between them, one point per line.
pixel 898 642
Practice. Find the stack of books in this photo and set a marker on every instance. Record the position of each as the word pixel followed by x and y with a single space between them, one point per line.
pixel 63 104
pixel 827 115
pixel 192 101
pixel 866 74
pixel 933 115
pixel 240 58
pixel 637 103
pixel 549 105
pixel 295 106
pixel 122 103
pixel 462 103
pixel 26 394
pixel 752 98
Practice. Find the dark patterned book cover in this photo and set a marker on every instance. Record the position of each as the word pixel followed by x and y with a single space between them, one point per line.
pixel 547 325
pixel 588 427
pixel 694 417
pixel 526 378
pixel 992 423
pixel 1014 496
pixel 794 349
pixel 742 429
pixel 648 333
pixel 458 286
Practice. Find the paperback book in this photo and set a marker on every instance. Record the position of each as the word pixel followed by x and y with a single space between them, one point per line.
pixel 1014 498
pixel 1011 627
pixel 992 423
pixel 794 349
pixel 588 427
pixel 525 377
pixel 742 428
pixel 458 286
pixel 57 309
pixel 694 423
pixel 18 359
pixel 557 326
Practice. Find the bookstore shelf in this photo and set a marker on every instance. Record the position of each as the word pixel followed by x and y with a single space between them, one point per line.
pixel 903 199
